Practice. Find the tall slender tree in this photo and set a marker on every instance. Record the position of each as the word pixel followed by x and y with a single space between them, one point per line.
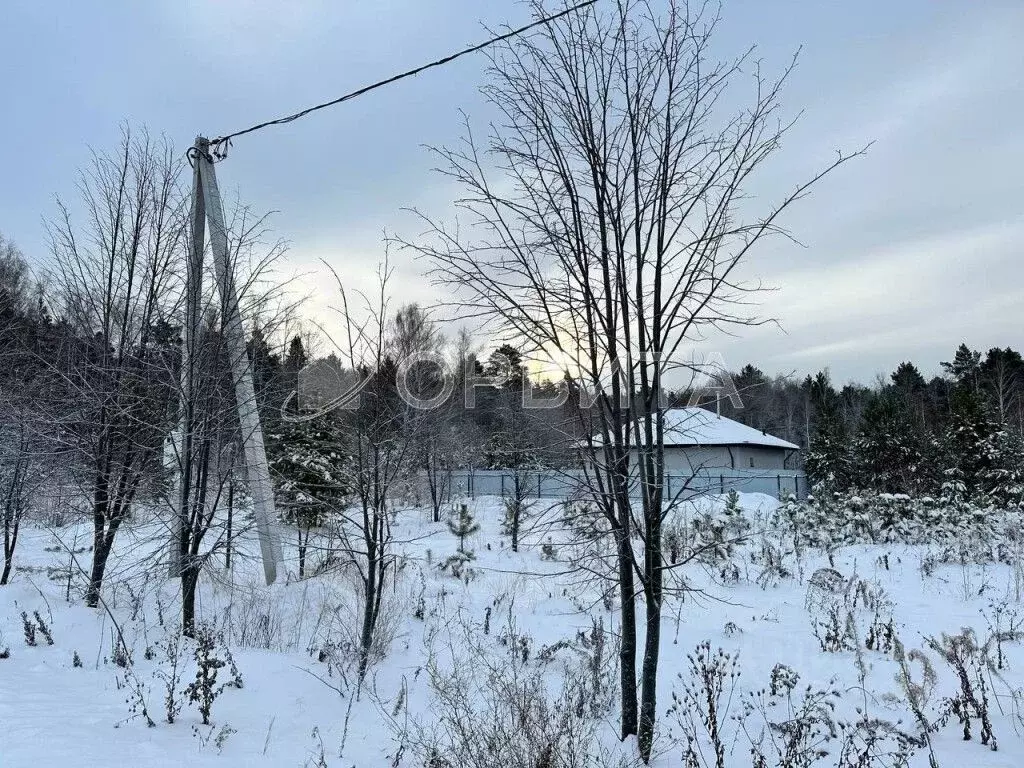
pixel 608 229
pixel 828 457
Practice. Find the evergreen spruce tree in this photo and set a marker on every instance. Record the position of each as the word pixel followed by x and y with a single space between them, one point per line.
pixel 1002 481
pixel 887 450
pixel 463 524
pixel 908 379
pixel 965 367
pixel 967 444
pixel 828 457
pixel 912 390
pixel 311 474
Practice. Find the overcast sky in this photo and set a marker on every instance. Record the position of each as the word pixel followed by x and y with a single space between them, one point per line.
pixel 909 251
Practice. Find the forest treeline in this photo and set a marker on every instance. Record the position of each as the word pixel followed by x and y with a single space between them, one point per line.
pixel 957 434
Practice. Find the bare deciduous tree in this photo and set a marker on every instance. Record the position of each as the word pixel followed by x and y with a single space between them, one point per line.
pixel 21 476
pixel 603 223
pixel 379 446
pixel 117 284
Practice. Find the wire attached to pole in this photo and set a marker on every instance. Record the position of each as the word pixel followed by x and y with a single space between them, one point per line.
pixel 219 146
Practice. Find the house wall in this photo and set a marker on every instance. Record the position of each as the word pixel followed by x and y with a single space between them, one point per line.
pixel 763 457
pixel 684 459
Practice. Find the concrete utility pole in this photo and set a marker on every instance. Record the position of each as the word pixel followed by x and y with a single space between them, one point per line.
pixel 207 208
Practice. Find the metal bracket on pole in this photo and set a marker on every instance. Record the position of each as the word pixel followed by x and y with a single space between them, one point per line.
pixel 206 200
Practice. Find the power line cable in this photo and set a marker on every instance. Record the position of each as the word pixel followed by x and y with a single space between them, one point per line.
pixel 219 145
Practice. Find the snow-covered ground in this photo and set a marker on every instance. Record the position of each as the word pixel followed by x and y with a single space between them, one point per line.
pixel 449 642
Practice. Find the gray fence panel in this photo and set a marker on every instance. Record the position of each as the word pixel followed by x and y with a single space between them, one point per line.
pixel 564 484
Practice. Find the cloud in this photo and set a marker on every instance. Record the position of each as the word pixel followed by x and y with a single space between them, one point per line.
pixel 910 250
pixel 901 279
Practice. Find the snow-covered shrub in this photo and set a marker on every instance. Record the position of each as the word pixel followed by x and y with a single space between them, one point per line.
pixel 219 736
pixel 773 559
pixel 28 629
pixel 917 693
pixel 834 628
pixel 872 742
pixel 673 540
pixel 968 661
pixel 1005 624
pixel 598 650
pixel 548 551
pixel 796 725
pixel 169 672
pixel 519 645
pixel 336 637
pixel 420 611
pixel 783 725
pixel 204 689
pixel 252 621
pixel 701 707
pixel 966 531
pixel 718 532
pixel 709 534
pixel 849 614
pixel 509 709
pixel 44 629
pixel 584 520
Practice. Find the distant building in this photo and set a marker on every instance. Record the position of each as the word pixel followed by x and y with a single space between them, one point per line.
pixel 704 454
pixel 697 439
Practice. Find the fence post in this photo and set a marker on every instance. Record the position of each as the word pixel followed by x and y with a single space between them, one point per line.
pixel 668 486
pixel 472 484
pixel 503 484
pixel 721 483
pixel 539 479
pixel 779 494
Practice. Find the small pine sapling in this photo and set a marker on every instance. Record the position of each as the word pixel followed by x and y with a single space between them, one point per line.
pixel 463 524
pixel 732 505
